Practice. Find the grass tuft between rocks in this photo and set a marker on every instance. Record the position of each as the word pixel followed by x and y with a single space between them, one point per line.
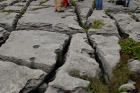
pixel 97 24
pixel 8 11
pixel 42 2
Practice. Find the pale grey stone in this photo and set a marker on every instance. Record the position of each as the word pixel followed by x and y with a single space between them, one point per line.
pixel 7 20
pixel 131 82
pixel 3 34
pixel 134 66
pixel 128 25
pixel 47 19
pixel 119 8
pixel 15 8
pixel 76 61
pixel 107 49
pixel 84 10
pixel 127 87
pixel 35 49
pixel 14 78
pixel 109 27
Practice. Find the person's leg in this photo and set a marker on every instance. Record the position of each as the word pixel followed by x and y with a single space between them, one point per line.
pixel 59 6
pixel 128 3
pixel 55 4
pixel 97 4
pixel 124 4
pixel 100 4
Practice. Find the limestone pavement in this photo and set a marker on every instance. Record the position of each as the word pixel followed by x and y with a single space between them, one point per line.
pixel 40 49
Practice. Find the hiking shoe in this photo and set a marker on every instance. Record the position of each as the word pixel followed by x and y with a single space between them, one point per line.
pixel 112 1
pixel 55 10
pixel 61 11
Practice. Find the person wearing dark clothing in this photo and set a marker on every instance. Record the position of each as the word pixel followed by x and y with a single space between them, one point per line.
pixel 99 4
pixel 126 4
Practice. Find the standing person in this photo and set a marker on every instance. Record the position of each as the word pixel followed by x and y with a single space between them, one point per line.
pixel 126 5
pixel 57 4
pixel 99 4
pixel 111 1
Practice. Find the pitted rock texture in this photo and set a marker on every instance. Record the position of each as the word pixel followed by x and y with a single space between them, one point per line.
pixel 14 78
pixel 78 59
pixel 84 9
pixel 107 49
pixel 35 49
pixel 46 19
pixel 128 26
pixel 109 27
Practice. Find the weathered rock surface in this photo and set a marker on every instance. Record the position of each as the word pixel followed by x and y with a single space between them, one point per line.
pixel 127 87
pixel 84 9
pixel 109 27
pixel 3 34
pixel 119 8
pixel 35 49
pixel 107 49
pixel 7 20
pixel 14 78
pixel 50 20
pixel 78 60
pixel 128 25
pixel 15 8
pixel 134 66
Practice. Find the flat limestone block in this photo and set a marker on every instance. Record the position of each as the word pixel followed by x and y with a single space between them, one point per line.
pixel 36 2
pixel 47 19
pixel 109 27
pixel 35 49
pixel 15 8
pixel 13 78
pixel 7 2
pixel 6 20
pixel 129 26
pixel 78 60
pixel 117 8
pixel 107 49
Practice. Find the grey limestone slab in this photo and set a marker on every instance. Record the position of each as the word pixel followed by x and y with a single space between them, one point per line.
pixel 13 78
pixel 78 59
pixel 7 20
pixel 34 49
pixel 109 27
pixel 47 19
pixel 108 51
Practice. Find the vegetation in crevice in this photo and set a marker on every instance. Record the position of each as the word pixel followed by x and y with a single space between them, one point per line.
pixel 97 24
pixel 96 86
pixel 8 11
pixel 42 2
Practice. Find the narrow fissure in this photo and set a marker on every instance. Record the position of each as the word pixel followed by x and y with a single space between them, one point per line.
pixel 61 56
pixel 121 32
pixel 105 78
pixel 18 16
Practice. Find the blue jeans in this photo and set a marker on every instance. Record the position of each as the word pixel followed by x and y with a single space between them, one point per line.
pixel 128 1
pixel 99 4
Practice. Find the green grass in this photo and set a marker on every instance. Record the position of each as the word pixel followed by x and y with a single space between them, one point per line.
pixel 108 11
pixel 130 47
pixel 97 24
pixel 8 11
pixel 22 12
pixel 42 2
pixel 109 25
pixel 73 3
pixel 95 86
